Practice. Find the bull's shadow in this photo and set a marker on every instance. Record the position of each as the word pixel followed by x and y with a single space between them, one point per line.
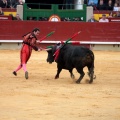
pixel 69 57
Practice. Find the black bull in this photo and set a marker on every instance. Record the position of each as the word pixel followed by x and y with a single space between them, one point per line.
pixel 71 57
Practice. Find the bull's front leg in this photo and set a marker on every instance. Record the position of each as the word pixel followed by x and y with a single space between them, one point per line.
pixel 58 72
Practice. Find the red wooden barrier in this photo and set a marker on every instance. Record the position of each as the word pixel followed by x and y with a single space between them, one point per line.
pixel 5 17
pixel 102 32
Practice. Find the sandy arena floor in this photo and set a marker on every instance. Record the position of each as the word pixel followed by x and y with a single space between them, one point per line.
pixel 44 98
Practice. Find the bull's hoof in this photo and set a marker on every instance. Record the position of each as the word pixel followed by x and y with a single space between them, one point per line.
pixel 94 77
pixel 77 82
pixel 90 82
pixel 56 77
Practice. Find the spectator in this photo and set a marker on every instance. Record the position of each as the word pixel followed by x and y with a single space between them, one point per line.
pixel 116 7
pixel 117 14
pixel 101 5
pixel 111 15
pixel 11 16
pixel 76 19
pixel 12 3
pixel 17 17
pixel 19 2
pixel 103 19
pixel 109 5
pixel 3 3
pixel 1 12
pixel 30 18
pixel 118 2
pixel 92 2
pixel 92 19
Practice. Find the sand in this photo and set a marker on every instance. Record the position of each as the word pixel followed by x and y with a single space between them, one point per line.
pixel 41 97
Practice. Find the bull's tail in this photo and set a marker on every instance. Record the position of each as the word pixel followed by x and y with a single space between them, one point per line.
pixel 91 69
pixel 93 59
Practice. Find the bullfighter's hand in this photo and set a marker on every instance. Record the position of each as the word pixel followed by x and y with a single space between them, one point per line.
pixel 40 49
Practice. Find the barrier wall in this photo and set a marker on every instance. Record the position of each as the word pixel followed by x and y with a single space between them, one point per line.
pixel 102 32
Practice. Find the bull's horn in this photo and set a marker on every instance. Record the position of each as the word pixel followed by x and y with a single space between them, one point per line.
pixel 47 49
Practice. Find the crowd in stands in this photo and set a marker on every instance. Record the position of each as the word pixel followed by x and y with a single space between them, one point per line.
pixel 99 5
pixel 10 3
pixel 104 18
pixel 104 4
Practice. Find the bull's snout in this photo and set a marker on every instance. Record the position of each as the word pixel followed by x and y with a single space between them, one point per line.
pixel 49 61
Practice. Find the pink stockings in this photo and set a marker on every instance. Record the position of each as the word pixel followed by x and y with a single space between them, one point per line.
pixel 20 66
